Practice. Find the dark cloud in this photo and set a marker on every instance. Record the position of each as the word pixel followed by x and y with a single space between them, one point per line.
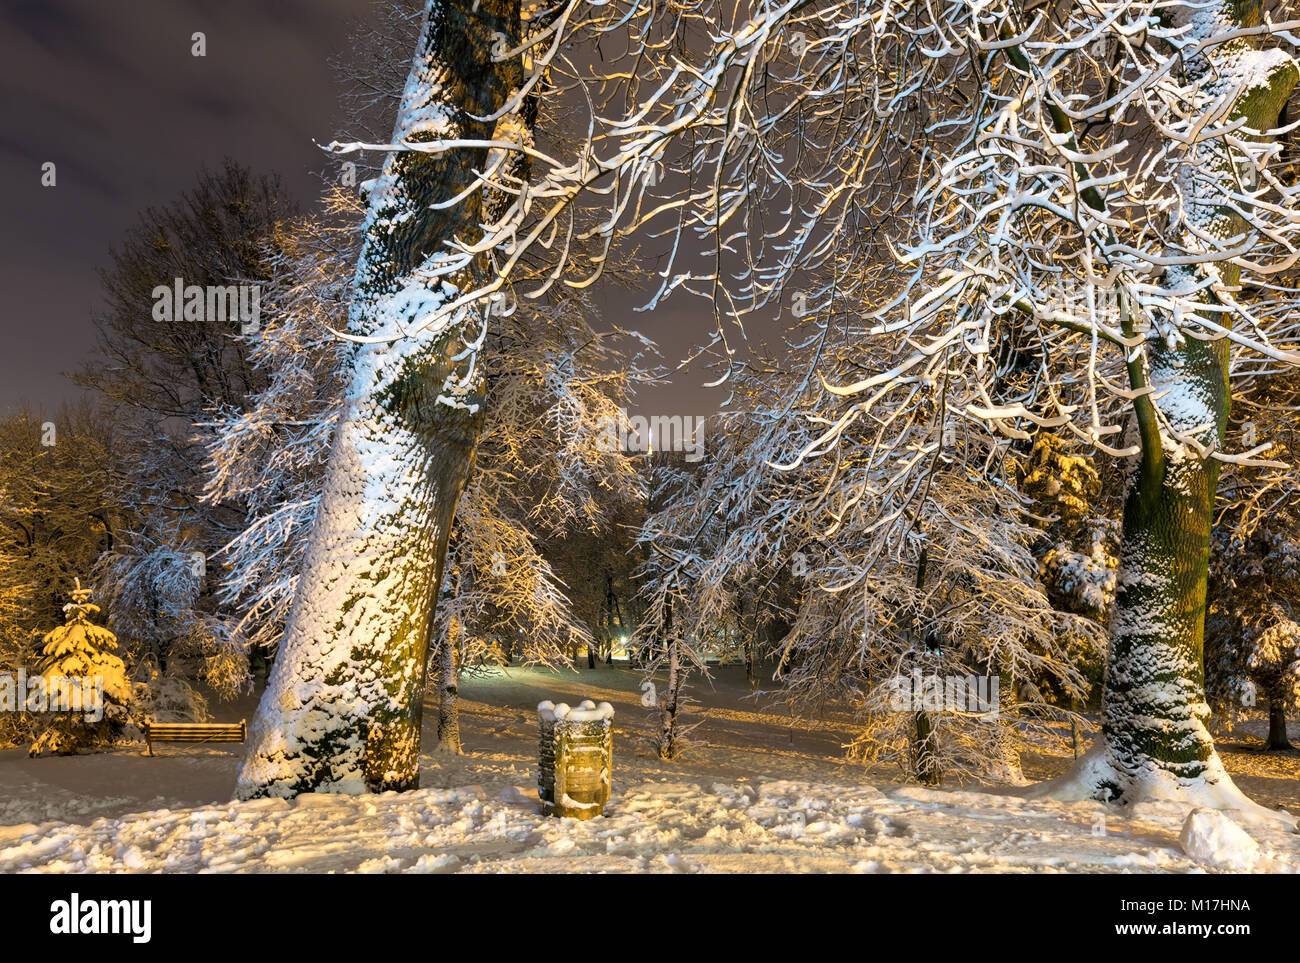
pixel 111 94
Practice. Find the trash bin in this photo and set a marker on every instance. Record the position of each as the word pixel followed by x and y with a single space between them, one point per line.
pixel 574 754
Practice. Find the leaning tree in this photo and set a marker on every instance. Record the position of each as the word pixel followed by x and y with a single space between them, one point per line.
pixel 342 708
pixel 542 472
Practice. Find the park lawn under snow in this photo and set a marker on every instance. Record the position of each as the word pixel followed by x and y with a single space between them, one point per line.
pixel 758 794
pixel 764 826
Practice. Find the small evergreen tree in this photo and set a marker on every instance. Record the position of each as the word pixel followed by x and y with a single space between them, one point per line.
pixel 78 663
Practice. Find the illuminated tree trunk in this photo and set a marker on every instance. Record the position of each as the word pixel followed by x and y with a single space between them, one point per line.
pixel 1154 709
pixel 669 741
pixel 448 691
pixel 342 709
pixel 669 734
pixel 1155 739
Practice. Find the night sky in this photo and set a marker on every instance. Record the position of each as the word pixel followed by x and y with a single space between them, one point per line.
pixel 110 93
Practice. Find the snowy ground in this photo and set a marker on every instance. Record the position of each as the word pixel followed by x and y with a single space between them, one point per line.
pixel 758 794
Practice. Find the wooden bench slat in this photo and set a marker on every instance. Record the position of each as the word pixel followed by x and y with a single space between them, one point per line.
pixel 195 732
pixel 178 727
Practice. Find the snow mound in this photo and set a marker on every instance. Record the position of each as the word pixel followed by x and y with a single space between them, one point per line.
pixel 1215 790
pixel 1211 836
pixel 587 711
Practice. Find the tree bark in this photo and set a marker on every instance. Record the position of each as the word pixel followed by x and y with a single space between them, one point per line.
pixel 670 704
pixel 1277 737
pixel 669 745
pixel 925 748
pixel 448 692
pixel 1154 712
pixel 342 710
pixel 925 741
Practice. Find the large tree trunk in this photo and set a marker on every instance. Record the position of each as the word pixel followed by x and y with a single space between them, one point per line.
pixel 342 710
pixel 1154 711
pixel 1155 740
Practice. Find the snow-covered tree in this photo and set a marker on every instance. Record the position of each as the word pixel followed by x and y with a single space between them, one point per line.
pixel 1078 567
pixel 1074 506
pixel 1254 585
pixel 157 591
pixel 1077 203
pixel 160 365
pixel 863 585
pixel 57 515
pixel 1080 201
pixel 457 170
pixel 668 633
pixel 1146 138
pixel 949 597
pixel 1274 667
pixel 269 457
pixel 542 475
pixel 343 706
pixel 78 668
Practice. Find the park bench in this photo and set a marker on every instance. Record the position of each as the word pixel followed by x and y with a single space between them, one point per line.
pixel 194 732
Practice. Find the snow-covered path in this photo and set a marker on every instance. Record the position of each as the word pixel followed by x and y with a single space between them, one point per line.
pixel 764 826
